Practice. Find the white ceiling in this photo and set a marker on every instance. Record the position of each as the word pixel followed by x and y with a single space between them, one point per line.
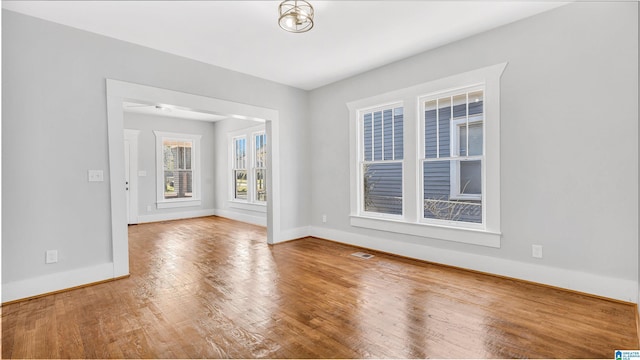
pixel 349 37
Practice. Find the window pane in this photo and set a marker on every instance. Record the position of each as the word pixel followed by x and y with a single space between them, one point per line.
pixel 240 155
pixel 382 184
pixel 187 155
pixel 178 178
pixel 437 191
pixel 180 156
pixel 460 105
pixel 398 133
pixel 470 177
pixel 261 151
pixel 476 101
pixel 388 134
pixel 240 177
pixel 444 121
pixel 261 185
pixel 475 139
pixel 169 156
pixel 367 133
pixel 178 184
pixel 430 137
pixel 377 135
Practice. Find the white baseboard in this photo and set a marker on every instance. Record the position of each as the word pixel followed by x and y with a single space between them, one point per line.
pixel 175 215
pixel 619 289
pixel 242 216
pixel 57 281
pixel 293 234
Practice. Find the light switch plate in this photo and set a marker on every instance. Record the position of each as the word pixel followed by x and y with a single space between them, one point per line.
pixel 95 175
pixel 51 256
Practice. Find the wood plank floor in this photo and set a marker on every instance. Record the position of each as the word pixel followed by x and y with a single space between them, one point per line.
pixel 212 288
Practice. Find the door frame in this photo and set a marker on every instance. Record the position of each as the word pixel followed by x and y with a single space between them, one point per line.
pixel 119 91
pixel 131 136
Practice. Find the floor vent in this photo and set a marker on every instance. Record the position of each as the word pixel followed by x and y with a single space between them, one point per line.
pixel 362 255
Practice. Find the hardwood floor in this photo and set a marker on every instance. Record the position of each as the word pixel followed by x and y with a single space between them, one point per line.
pixel 212 288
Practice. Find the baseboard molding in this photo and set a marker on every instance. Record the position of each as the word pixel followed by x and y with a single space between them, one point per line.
pixel 239 215
pixel 618 289
pixel 175 215
pixel 55 282
pixel 293 234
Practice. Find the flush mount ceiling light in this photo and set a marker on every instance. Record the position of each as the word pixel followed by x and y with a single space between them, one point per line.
pixel 295 16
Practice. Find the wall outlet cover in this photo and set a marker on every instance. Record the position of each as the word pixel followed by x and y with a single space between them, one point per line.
pixel 51 256
pixel 536 251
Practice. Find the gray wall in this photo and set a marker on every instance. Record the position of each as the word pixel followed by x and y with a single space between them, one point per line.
pixel 147 124
pixel 569 130
pixel 569 138
pixel 54 129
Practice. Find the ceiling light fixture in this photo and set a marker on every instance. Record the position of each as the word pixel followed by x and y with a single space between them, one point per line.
pixel 296 16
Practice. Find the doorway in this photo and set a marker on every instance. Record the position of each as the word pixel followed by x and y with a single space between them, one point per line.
pixel 119 92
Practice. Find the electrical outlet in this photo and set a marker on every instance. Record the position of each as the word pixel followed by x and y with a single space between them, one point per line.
pixel 324 218
pixel 51 256
pixel 536 251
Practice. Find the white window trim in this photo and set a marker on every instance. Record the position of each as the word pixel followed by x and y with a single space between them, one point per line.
pixel 195 200
pixel 488 234
pixel 250 203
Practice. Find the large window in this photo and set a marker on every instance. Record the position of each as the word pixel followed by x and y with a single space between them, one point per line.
pixel 249 166
pixel 239 168
pixel 178 169
pixel 260 165
pixel 428 163
pixel 453 156
pixel 381 165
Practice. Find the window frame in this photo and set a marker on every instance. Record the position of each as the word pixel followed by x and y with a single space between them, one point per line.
pixel 487 234
pixel 453 157
pixel 251 202
pixel 255 167
pixel 361 159
pixel 456 124
pixel 235 168
pixel 195 199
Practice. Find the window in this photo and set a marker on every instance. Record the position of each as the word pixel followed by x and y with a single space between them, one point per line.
pixel 260 165
pixel 381 165
pixel 240 168
pixel 427 164
pixel 249 166
pixel 178 169
pixel 453 156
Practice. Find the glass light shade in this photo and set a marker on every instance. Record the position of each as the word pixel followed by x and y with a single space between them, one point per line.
pixel 295 16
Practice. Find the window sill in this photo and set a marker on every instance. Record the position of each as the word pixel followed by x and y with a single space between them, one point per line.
pixel 257 207
pixel 466 236
pixel 177 203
